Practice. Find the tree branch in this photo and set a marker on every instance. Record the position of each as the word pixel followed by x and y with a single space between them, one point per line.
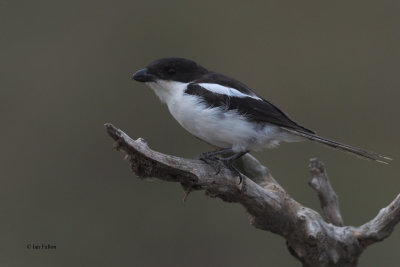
pixel 381 226
pixel 311 239
pixel 327 196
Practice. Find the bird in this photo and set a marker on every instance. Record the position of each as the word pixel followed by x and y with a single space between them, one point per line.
pixel 226 113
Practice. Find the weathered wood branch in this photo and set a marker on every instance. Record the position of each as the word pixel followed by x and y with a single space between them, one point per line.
pixel 313 240
pixel 327 196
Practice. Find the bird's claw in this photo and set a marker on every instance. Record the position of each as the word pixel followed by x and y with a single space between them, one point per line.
pixel 216 163
pixel 229 164
pixel 211 160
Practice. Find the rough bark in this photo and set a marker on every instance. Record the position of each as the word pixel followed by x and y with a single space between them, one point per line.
pixel 312 239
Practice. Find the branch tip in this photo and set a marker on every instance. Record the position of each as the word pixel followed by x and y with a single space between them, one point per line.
pixel 327 196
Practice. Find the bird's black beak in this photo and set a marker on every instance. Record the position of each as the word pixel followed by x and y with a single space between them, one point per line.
pixel 143 76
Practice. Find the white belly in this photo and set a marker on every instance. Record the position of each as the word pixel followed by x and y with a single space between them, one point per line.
pixel 224 128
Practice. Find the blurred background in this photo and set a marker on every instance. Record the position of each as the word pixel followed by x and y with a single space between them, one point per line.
pixel 65 69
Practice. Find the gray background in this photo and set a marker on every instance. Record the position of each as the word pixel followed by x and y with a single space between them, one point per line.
pixel 65 69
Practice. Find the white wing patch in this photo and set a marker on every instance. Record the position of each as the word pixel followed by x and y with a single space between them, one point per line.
pixel 223 90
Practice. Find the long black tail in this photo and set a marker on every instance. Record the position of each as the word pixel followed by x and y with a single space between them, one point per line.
pixel 354 150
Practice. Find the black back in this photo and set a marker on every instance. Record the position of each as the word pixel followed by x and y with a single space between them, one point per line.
pixel 213 77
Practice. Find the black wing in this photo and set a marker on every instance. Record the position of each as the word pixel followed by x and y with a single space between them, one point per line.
pixel 257 110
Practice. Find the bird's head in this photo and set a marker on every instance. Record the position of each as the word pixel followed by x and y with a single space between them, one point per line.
pixel 168 77
pixel 170 69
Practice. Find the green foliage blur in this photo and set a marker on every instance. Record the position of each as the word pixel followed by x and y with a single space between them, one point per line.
pixel 65 69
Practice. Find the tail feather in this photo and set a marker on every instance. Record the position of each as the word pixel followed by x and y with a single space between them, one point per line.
pixel 354 150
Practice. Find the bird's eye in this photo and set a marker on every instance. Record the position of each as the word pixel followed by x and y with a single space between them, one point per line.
pixel 171 71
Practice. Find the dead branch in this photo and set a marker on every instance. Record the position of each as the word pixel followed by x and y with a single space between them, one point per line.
pixel 313 240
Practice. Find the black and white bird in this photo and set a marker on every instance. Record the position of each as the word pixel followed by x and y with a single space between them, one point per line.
pixel 226 113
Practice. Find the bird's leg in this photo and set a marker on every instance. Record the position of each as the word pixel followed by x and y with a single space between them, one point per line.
pixel 212 154
pixel 235 156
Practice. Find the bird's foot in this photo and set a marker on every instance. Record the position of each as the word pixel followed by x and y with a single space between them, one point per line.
pixel 218 162
pixel 212 160
pixel 206 156
pixel 228 163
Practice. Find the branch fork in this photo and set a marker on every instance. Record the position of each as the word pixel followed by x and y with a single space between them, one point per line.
pixel 313 239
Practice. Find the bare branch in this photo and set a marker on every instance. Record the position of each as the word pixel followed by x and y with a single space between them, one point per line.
pixel 381 226
pixel 327 196
pixel 311 239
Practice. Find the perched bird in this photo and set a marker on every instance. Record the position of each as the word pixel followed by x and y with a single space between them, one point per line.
pixel 226 113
